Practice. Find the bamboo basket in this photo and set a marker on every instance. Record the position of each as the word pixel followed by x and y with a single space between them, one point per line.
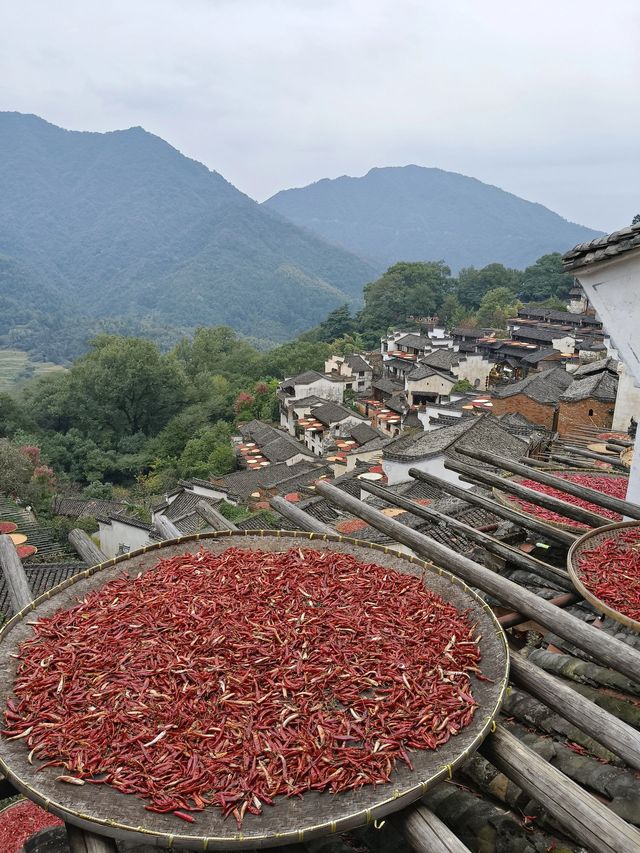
pixel 512 502
pixel 105 811
pixel 585 543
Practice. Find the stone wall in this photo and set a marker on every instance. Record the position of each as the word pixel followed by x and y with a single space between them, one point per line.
pixel 536 413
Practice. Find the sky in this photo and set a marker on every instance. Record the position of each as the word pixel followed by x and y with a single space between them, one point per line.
pixel 540 99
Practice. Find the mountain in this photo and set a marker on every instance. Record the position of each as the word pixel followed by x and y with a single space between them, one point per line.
pixel 411 213
pixel 122 225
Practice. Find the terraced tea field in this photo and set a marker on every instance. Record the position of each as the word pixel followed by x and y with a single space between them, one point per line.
pixel 17 368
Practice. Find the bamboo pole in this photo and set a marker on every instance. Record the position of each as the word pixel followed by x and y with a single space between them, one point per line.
pixel 597 643
pixel 425 831
pixel 592 495
pixel 593 720
pixel 500 549
pixel 166 528
pixel 583 816
pixel 536 526
pixel 299 516
pixel 88 550
pixel 213 517
pixel 506 484
pixel 13 570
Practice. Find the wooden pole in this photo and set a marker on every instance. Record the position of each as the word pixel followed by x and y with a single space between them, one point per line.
pixel 534 463
pixel 299 516
pixel 166 528
pixel 599 457
pixel 592 495
pixel 20 593
pixel 213 517
pixel 426 832
pixel 13 570
pixel 510 620
pixel 586 715
pixel 619 442
pixel 88 550
pixel 540 527
pixel 506 552
pixel 506 484
pixel 597 643
pixel 570 462
pixel 583 816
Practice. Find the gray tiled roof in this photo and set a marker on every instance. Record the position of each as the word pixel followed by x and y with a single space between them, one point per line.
pixel 358 364
pixel 363 433
pixel 424 371
pixel 535 333
pixel 275 444
pixel 441 359
pixel 41 577
pixel 539 355
pixel 331 413
pixel 240 484
pixel 305 378
pixel 598 366
pixel 387 386
pixel 420 445
pixel 558 316
pixel 86 507
pixel 545 387
pixel 413 341
pixel 599 386
pixel 603 248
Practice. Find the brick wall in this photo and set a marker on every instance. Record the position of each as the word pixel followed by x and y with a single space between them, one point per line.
pixel 584 413
pixel 537 413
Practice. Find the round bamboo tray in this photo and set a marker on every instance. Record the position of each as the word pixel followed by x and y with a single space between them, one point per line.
pixel 586 542
pixel 105 811
pixel 512 502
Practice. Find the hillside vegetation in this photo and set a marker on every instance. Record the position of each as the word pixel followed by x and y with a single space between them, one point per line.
pixel 121 225
pixel 412 213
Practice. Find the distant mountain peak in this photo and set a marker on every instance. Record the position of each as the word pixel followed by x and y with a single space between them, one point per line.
pixel 419 213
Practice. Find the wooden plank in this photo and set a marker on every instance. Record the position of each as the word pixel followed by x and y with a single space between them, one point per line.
pixel 579 813
pixel 13 571
pixel 166 528
pixel 506 484
pixel 83 841
pixel 426 833
pixel 592 495
pixel 88 550
pixel 526 521
pixel 494 546
pixel 593 720
pixel 301 518
pixel 213 517
pixel 597 643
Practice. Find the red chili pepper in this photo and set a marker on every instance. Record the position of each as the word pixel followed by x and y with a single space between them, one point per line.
pixel 231 679
pixel 614 486
pixel 611 571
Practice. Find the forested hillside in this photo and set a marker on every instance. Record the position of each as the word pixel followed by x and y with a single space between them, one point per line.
pixel 121 225
pixel 412 213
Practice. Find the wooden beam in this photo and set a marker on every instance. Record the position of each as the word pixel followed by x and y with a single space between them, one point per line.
pixel 586 715
pixel 592 495
pixel 166 528
pixel 426 833
pixel 213 517
pixel 506 484
pixel 494 546
pixel 88 550
pixel 299 516
pixel 583 816
pixel 83 841
pixel 595 642
pixel 510 620
pixel 599 457
pixel 540 527
pixel 13 571
pixel 570 462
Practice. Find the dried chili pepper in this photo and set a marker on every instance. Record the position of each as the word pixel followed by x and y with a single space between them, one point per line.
pixel 614 486
pixel 611 571
pixel 230 679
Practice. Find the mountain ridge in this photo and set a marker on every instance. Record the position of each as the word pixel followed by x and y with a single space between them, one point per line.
pixel 435 214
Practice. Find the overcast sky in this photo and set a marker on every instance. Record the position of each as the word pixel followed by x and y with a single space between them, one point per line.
pixel 540 99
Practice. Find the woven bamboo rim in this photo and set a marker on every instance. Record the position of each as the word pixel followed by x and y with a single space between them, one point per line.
pixel 573 565
pixel 512 502
pixel 390 797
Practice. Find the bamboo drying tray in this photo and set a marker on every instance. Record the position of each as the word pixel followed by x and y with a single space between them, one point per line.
pixel 104 810
pixel 586 543
pixel 512 502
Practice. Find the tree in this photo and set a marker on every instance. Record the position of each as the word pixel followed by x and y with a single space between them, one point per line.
pixel 12 417
pixel 347 345
pixel 295 357
pixel 405 289
pixel 218 350
pixel 451 311
pixel 16 470
pixel 546 278
pixel 209 452
pixel 473 284
pixel 636 219
pixel 496 306
pixel 338 323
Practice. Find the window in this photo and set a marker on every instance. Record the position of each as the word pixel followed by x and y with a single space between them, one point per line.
pixel 590 413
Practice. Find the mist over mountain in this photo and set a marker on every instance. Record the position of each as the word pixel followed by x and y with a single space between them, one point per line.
pixel 121 224
pixel 412 213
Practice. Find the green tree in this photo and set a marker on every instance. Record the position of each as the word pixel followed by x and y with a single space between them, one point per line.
pixel 546 278
pixel 451 311
pixel 473 283
pixel 16 470
pixel 496 306
pixel 12 417
pixel 338 324
pixel 636 219
pixel 218 350
pixel 295 357
pixel 209 452
pixel 347 345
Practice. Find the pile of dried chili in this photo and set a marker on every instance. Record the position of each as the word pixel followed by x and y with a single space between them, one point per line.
pixel 611 571
pixel 614 486
pixel 232 679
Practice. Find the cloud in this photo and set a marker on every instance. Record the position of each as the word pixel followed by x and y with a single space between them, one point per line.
pixel 538 99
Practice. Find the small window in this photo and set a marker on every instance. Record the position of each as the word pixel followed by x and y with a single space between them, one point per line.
pixel 590 413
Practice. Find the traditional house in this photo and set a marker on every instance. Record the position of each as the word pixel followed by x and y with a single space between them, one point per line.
pixel 312 382
pixel 561 339
pixel 292 409
pixel 278 479
pixel 426 384
pixel 120 534
pixel 325 423
pixel 590 399
pixel 352 367
pixel 262 444
pixel 537 397
pixel 428 451
pixel 386 387
pixel 562 318
pixel 474 367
